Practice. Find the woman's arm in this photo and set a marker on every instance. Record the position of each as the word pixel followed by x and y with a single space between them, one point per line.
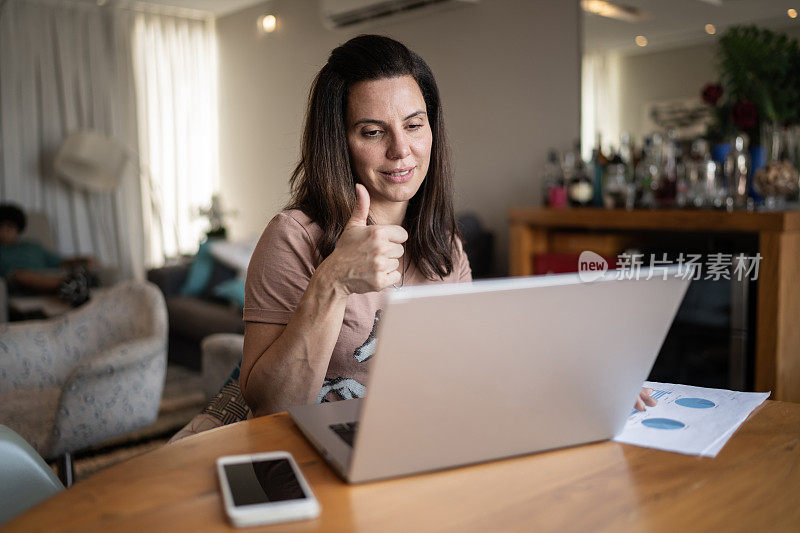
pixel 286 365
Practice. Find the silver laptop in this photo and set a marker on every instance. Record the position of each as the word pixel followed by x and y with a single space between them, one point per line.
pixel 465 373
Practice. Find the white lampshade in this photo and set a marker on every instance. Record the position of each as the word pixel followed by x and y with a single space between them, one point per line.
pixel 90 160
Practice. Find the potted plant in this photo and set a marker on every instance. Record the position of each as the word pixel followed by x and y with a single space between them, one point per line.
pixel 757 94
pixel 722 128
pixel 760 74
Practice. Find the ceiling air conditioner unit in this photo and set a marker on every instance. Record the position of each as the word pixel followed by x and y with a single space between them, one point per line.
pixel 349 13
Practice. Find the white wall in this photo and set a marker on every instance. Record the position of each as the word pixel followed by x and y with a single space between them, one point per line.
pixel 508 71
pixel 667 75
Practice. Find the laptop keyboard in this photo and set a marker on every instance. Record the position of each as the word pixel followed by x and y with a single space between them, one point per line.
pixel 346 431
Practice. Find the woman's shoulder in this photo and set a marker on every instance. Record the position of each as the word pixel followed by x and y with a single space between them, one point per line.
pixel 289 238
pixel 293 223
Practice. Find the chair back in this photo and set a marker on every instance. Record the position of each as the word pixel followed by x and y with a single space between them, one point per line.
pixel 25 479
pixel 128 311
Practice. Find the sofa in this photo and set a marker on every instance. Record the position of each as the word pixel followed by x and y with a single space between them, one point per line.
pixel 194 317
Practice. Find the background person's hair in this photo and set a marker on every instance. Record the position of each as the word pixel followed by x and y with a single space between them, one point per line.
pixel 15 215
pixel 323 183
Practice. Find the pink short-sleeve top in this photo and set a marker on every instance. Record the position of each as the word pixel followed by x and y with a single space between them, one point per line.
pixel 279 272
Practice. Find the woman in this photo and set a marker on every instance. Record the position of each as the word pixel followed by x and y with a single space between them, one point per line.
pixel 371 209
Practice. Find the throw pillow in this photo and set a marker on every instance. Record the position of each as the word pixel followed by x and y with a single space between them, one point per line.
pixel 231 290
pixel 199 271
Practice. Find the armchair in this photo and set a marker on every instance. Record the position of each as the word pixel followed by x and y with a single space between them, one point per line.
pixel 89 375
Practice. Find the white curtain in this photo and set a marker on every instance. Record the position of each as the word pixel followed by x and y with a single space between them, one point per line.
pixel 600 106
pixel 67 66
pixel 176 88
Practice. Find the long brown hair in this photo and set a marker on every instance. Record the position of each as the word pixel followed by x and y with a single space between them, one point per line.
pixel 323 183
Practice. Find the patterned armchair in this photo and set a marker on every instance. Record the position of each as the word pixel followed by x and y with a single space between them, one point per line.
pixel 89 375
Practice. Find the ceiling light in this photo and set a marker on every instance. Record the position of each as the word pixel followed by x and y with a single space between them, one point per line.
pixel 267 23
pixel 792 13
pixel 710 29
pixel 641 40
pixel 614 11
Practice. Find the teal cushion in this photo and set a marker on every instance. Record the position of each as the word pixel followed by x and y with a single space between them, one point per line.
pixel 231 290
pixel 199 272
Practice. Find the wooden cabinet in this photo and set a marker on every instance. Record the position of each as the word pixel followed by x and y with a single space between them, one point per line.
pixel 777 364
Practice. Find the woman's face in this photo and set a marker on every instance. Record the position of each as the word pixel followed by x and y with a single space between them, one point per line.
pixel 389 137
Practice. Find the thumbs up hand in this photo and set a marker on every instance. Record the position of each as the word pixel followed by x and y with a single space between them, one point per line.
pixel 367 258
pixel 361 210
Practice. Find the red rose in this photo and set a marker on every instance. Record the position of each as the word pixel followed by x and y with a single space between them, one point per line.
pixel 712 92
pixel 744 115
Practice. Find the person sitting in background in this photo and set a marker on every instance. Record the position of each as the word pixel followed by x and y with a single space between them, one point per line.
pixel 30 268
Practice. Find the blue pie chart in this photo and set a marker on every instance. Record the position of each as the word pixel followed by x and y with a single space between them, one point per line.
pixel 695 403
pixel 662 423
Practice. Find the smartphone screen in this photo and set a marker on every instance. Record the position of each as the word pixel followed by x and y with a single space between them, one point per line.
pixel 262 482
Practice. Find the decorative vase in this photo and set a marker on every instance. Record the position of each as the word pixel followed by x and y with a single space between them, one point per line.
pixel 720 152
pixel 778 182
pixel 758 157
pixel 758 160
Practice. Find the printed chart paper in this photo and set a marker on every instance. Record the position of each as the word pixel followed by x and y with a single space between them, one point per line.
pixel 690 420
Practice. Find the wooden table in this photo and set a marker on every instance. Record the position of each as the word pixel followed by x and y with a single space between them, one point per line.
pixel 752 485
pixel 778 307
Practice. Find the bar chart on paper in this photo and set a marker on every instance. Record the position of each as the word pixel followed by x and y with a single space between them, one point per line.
pixel 690 420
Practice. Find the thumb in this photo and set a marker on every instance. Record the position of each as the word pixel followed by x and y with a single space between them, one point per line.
pixel 361 210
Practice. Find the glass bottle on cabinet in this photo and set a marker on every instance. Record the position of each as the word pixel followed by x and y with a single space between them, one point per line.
pixel 705 178
pixel 737 170
pixel 579 189
pixel 626 154
pixel 576 176
pixel 666 183
pixel 554 193
pixel 615 186
pixel 647 172
pixel 598 167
